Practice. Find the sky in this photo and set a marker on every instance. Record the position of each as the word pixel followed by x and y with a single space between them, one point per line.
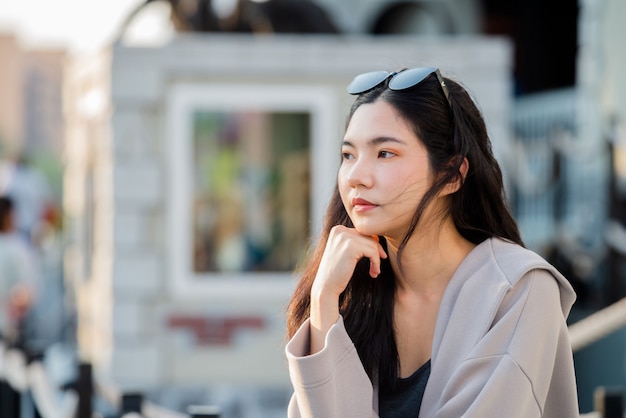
pixel 77 25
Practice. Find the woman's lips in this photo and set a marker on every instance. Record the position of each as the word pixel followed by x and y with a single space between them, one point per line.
pixel 362 205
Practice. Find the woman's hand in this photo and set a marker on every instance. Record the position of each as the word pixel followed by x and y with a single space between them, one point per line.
pixel 344 249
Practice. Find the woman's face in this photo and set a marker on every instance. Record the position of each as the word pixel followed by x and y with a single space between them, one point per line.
pixel 384 171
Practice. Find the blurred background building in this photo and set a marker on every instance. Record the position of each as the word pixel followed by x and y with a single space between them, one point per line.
pixel 198 153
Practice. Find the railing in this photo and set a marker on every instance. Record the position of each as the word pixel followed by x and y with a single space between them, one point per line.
pixel 609 402
pixel 598 325
pixel 556 178
pixel 27 391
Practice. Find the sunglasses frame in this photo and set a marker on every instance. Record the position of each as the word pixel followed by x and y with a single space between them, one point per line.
pixel 400 80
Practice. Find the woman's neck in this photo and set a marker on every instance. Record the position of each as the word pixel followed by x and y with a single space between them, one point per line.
pixel 429 259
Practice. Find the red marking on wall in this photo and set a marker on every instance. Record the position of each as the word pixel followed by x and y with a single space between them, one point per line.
pixel 215 330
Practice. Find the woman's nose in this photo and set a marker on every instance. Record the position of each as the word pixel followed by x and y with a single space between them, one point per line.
pixel 359 173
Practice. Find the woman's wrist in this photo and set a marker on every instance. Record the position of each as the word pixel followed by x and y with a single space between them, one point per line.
pixel 324 314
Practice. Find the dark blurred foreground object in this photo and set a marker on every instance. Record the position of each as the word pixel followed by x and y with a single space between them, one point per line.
pixel 202 411
pixel 609 402
pixel 247 16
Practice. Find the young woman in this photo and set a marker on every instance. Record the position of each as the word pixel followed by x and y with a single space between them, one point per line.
pixel 420 299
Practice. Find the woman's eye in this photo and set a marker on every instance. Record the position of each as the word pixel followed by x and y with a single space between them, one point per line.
pixel 385 154
pixel 346 156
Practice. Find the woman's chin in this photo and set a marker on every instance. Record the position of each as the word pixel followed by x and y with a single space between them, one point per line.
pixel 368 230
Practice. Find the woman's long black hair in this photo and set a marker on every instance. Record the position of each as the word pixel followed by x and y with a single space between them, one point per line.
pixel 450 132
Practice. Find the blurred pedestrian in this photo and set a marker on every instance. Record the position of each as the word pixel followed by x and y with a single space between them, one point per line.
pixel 18 274
pixel 30 192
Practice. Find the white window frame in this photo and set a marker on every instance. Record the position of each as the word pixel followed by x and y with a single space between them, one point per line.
pixel 320 101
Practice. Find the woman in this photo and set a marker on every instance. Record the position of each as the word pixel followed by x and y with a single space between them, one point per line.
pixel 420 299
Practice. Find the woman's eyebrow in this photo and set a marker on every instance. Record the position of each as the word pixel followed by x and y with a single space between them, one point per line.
pixel 376 141
pixel 383 139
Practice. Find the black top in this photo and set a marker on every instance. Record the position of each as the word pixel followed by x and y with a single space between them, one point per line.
pixel 406 398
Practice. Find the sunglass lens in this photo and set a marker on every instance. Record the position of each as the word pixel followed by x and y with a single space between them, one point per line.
pixel 364 82
pixel 410 78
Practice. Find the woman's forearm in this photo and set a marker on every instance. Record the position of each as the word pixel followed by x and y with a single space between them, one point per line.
pixel 324 313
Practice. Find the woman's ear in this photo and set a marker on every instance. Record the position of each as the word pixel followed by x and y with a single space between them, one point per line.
pixel 455 184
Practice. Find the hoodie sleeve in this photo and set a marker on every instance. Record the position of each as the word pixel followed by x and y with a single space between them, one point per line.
pixel 331 383
pixel 523 357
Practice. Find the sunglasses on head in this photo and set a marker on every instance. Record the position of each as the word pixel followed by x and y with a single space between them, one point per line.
pixel 401 80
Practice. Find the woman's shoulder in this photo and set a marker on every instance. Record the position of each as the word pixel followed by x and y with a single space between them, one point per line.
pixel 514 263
pixel 512 260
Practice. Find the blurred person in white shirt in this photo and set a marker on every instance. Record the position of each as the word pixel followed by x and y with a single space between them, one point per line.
pixel 18 273
pixel 31 194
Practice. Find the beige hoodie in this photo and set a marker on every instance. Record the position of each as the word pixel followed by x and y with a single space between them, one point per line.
pixel 500 349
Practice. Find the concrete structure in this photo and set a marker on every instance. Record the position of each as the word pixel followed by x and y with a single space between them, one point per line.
pixel 43 96
pixel 31 103
pixel 12 98
pixel 147 319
